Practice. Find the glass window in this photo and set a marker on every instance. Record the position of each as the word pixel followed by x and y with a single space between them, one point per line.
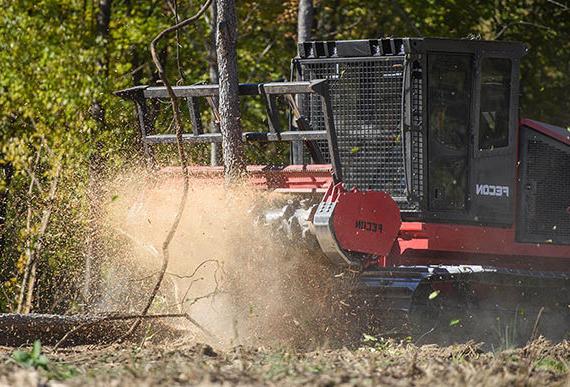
pixel 495 98
pixel 449 99
pixel 449 104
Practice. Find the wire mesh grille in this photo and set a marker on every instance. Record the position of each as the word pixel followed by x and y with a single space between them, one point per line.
pixel 366 96
pixel 548 178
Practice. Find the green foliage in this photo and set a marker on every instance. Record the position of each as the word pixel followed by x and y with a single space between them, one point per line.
pixel 35 359
pixel 366 338
pixel 32 358
pixel 376 344
pixel 552 365
pixel 433 295
pixel 543 25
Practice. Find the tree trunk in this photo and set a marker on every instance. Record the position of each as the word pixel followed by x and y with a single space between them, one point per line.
pixel 230 119
pixel 305 20
pixel 304 29
pixel 215 148
pixel 104 18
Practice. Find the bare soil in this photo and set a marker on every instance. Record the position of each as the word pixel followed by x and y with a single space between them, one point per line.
pixel 185 362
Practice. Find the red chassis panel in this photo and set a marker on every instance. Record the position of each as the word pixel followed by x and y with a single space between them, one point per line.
pixel 291 178
pixel 432 243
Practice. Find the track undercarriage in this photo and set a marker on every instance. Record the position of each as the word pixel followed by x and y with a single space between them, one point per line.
pixel 442 303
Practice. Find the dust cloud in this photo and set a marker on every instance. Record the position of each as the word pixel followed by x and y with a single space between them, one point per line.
pixel 246 282
pixel 236 276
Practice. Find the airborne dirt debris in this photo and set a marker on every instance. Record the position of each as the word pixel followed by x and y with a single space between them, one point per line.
pixel 386 363
pixel 238 278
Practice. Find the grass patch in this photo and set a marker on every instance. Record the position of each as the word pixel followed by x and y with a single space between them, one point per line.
pixel 34 358
pixel 552 365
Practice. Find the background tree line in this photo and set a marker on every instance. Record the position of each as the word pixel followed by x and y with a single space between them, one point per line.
pixel 62 130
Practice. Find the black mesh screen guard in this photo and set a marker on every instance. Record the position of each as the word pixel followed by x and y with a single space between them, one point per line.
pixel 366 96
pixel 546 218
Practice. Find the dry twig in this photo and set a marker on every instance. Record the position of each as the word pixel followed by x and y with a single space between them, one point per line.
pixel 181 154
pixel 524 23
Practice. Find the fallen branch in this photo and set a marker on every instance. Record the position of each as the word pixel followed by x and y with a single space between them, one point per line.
pixel 94 320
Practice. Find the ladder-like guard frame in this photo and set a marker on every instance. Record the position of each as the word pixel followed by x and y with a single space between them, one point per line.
pixel 269 91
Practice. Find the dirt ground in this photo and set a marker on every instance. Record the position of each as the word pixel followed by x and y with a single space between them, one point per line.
pixel 377 362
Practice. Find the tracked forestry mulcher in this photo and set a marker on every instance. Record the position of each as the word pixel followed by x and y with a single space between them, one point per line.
pixel 415 170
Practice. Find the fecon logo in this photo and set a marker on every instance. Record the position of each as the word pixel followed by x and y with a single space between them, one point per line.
pixel 492 190
pixel 368 226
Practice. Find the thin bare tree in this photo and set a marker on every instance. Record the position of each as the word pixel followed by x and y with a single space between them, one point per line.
pixel 34 246
pixel 216 149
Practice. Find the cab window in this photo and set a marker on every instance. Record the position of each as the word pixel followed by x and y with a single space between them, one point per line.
pixel 449 104
pixel 450 99
pixel 495 99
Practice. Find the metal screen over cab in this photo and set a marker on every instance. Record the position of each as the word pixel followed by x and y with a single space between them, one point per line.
pixel 367 96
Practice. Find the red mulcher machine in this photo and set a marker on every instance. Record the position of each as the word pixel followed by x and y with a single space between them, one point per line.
pixel 414 168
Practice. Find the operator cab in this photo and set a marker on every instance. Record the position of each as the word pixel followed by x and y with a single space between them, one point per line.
pixel 430 121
